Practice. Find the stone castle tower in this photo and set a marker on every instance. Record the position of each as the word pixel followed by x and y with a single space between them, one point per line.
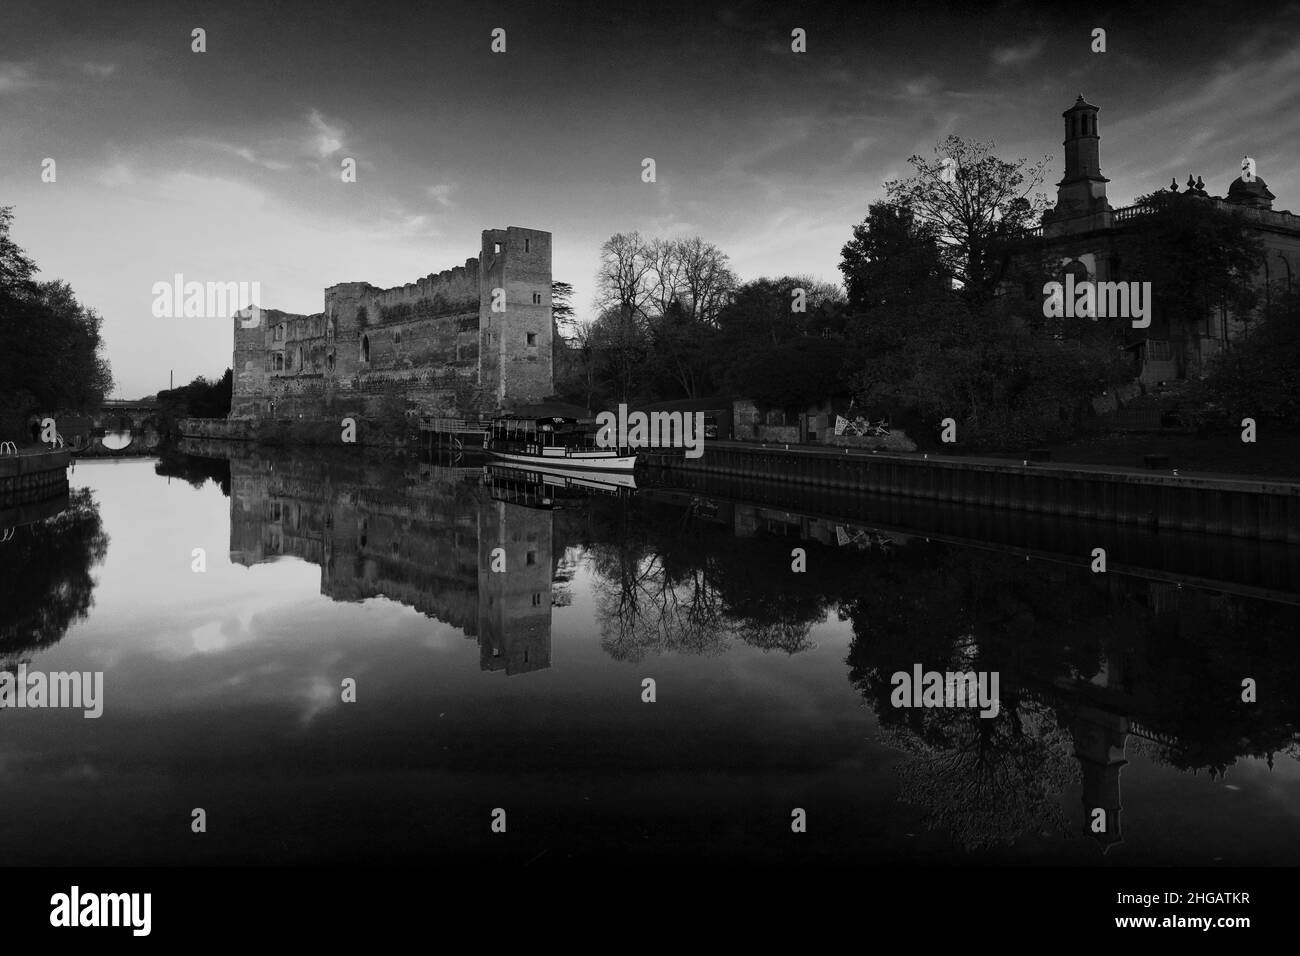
pixel 464 342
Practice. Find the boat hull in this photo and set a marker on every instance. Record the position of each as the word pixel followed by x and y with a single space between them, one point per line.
pixel 573 477
pixel 585 461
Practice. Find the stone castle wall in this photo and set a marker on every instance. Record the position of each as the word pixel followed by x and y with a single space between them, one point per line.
pixel 437 342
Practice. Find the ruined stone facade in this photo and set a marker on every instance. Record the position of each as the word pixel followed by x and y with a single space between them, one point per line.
pixel 435 346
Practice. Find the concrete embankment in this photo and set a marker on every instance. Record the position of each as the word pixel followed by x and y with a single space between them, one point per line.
pixel 1213 504
pixel 32 476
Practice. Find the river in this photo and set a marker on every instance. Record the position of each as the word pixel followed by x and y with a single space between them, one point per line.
pixel 494 638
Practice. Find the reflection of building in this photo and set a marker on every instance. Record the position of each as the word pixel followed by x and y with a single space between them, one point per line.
pixel 1099 739
pixel 425 544
pixel 514 608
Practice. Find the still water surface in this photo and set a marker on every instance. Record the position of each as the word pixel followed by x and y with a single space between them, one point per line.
pixel 523 690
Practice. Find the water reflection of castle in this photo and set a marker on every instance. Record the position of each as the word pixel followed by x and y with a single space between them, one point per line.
pixel 427 544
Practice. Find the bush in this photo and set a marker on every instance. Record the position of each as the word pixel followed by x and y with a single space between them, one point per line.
pixel 1259 376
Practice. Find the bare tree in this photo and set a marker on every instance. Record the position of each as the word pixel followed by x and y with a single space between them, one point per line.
pixel 665 278
pixel 643 277
pixel 706 278
pixel 691 272
pixel 623 281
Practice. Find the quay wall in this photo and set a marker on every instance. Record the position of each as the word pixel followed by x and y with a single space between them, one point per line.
pixel 1268 510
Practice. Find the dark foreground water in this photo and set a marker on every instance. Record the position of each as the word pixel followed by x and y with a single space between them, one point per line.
pixel 522 689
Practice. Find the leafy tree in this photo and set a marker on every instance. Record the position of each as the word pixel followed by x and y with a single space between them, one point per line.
pixel 1004 385
pixel 618 346
pixel 201 398
pixel 979 214
pixel 762 313
pixel 1198 259
pixel 562 313
pixel 681 353
pixel 791 376
pixel 1259 376
pixel 16 269
pixel 892 258
pixel 51 349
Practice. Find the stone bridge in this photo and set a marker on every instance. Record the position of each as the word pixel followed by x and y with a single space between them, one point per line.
pixel 132 428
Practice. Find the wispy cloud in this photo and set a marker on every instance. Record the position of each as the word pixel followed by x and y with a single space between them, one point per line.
pixel 923 86
pixel 118 174
pixel 441 193
pixel 327 139
pixel 101 71
pixel 1015 55
pixel 15 77
pixel 248 155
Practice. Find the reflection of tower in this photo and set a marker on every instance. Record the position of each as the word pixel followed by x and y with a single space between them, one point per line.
pixel 1099 739
pixel 514 605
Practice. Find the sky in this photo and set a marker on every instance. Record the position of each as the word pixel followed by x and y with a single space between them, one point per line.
pixel 226 165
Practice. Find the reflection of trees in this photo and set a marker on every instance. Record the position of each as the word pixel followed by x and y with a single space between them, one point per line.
pixel 993 778
pixel 986 779
pixel 667 580
pixel 1174 657
pixel 45 582
pixel 1197 651
pixel 194 470
pixel 643 608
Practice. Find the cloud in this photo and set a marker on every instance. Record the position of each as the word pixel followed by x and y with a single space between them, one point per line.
pixel 400 225
pixel 923 86
pixel 119 174
pixel 246 154
pixel 1203 126
pixel 442 193
pixel 328 139
pixel 1014 55
pixel 15 77
pixel 100 71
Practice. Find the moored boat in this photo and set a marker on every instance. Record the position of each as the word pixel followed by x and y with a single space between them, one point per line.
pixel 553 443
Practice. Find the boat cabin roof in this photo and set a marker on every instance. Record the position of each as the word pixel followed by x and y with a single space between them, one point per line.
pixel 546 424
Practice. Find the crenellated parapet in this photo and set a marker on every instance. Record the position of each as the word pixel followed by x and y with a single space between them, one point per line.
pixel 477 336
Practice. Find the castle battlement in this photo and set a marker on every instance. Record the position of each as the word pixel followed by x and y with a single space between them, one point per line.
pixel 412 339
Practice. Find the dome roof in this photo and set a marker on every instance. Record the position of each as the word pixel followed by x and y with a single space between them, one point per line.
pixel 1255 193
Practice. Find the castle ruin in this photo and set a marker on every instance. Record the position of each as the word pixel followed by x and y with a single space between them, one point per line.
pixel 470 341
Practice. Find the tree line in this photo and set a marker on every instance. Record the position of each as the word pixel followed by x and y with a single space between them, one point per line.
pixel 940 314
pixel 51 350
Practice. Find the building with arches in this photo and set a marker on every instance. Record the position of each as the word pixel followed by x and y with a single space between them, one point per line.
pixel 1082 233
pixel 459 343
